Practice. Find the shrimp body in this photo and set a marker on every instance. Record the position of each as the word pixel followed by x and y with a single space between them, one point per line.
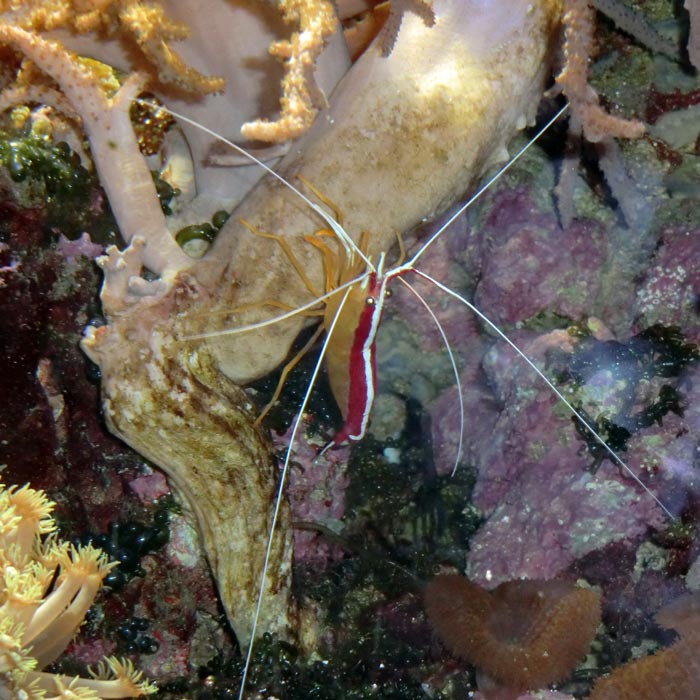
pixel 350 354
pixel 355 292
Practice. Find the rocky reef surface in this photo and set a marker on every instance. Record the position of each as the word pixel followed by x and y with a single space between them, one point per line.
pixel 605 304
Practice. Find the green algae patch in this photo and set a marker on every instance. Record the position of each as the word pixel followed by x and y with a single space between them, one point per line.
pixel 39 174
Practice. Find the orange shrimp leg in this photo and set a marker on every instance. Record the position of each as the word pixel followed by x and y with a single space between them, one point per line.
pixel 309 343
pixel 285 373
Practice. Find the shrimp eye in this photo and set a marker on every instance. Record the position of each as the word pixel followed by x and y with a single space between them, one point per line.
pixel 387 293
pixel 370 301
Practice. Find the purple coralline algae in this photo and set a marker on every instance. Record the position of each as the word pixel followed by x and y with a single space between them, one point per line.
pixel 544 508
pixel 669 291
pixel 548 495
pixel 530 264
pixel 316 490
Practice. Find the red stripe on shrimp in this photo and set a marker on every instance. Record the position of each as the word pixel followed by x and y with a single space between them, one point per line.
pixel 362 368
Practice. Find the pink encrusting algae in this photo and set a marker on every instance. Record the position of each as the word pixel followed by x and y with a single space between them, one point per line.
pixel 544 508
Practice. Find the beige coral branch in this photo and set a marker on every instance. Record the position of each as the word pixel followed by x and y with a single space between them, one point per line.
pixel 114 148
pixel 587 114
pixel 154 32
pixel 300 95
pixel 145 21
pixel 390 30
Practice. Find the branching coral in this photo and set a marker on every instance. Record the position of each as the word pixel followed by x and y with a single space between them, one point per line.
pixel 317 21
pixel 588 118
pixel 390 30
pixel 146 23
pixel 47 587
pixel 105 118
pixel 109 30
pixel 587 114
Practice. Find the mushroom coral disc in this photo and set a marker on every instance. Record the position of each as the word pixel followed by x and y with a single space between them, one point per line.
pixel 522 635
pixel 671 674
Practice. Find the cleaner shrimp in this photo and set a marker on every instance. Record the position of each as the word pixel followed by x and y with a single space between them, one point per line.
pixel 606 409
pixel 623 404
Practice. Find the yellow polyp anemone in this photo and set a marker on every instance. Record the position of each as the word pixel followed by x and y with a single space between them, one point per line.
pixel 47 587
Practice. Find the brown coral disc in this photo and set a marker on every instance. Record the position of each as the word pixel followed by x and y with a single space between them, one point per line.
pixel 523 634
pixel 671 674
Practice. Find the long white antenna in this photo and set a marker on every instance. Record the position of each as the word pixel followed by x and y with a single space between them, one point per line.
pixel 340 232
pixel 618 460
pixel 458 381
pixel 276 319
pixel 487 185
pixel 280 493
